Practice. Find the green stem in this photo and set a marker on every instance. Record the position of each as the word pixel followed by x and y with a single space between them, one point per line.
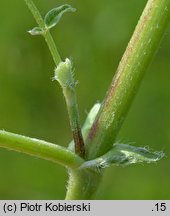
pixel 73 108
pixel 40 149
pixel 82 184
pixel 64 75
pixel 138 55
pixel 47 35
pixel 73 112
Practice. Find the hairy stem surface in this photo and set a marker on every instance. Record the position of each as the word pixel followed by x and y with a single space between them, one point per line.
pixel 64 75
pixel 82 185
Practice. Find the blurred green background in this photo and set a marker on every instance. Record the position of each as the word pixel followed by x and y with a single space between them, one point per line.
pixel 95 38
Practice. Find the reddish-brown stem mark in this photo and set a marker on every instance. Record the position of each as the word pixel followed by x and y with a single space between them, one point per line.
pixel 79 143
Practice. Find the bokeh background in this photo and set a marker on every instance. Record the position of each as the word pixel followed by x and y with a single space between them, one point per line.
pixel 31 104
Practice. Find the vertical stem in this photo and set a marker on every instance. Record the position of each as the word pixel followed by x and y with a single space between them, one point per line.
pixel 68 92
pixel 136 58
pixel 48 38
pixel 52 47
pixel 82 185
pixel 72 108
pixel 64 75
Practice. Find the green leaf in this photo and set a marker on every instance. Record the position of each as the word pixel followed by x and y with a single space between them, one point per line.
pixel 54 15
pixel 36 31
pixel 123 154
pixel 90 119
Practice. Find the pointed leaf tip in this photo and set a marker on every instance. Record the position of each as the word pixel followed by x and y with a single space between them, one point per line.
pixel 53 16
pixel 123 154
pixel 36 31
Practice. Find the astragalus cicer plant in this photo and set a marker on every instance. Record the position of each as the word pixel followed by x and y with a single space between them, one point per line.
pixel 94 146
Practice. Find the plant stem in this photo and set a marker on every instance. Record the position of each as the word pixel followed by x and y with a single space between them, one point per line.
pixel 73 109
pixel 73 112
pixel 136 58
pixel 82 184
pixel 47 35
pixel 40 149
pixel 64 75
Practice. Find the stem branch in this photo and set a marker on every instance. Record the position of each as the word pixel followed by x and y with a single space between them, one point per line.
pixel 40 149
pixel 73 109
pixel 64 75
pixel 47 35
